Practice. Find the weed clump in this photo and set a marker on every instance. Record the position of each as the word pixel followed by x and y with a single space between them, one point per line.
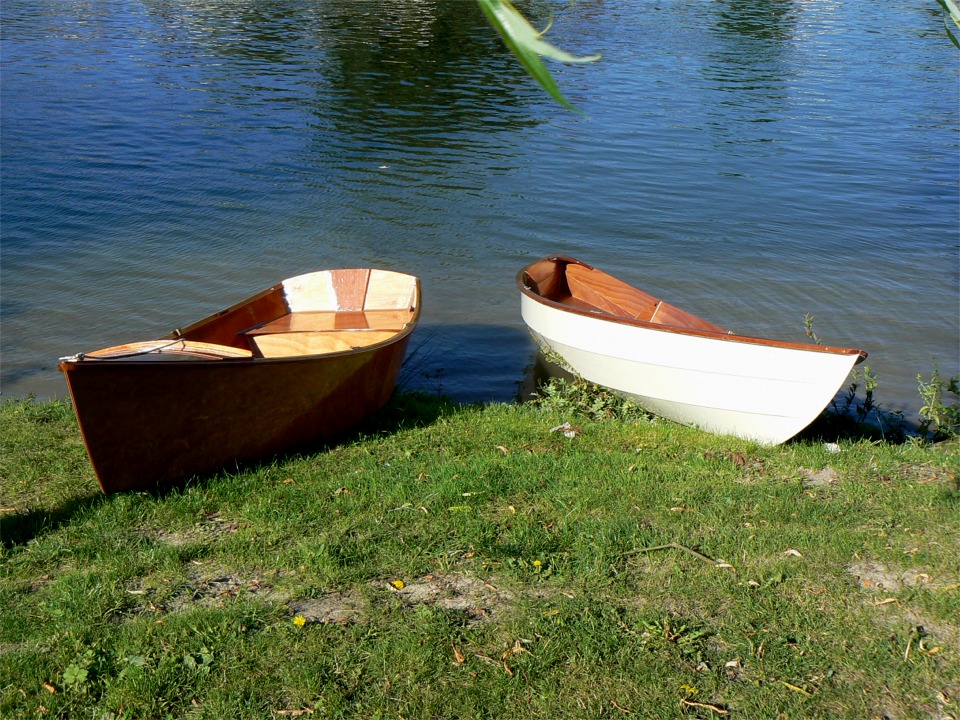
pixel 585 399
pixel 939 419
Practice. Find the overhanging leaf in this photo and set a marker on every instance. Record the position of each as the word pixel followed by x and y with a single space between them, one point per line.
pixel 954 12
pixel 526 43
pixel 951 7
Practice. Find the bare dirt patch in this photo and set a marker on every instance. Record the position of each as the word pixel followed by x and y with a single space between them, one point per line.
pixel 219 588
pixel 928 636
pixel 922 474
pixel 341 608
pixel 819 478
pixel 875 576
pixel 209 587
pixel 476 598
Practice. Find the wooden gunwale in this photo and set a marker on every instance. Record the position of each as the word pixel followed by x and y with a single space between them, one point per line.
pixel 399 334
pixel 276 289
pixel 217 360
pixel 560 263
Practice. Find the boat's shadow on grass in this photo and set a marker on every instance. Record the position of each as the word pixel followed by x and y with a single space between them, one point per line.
pixel 831 427
pixel 21 528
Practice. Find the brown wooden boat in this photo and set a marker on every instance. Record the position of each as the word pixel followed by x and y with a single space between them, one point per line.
pixel 303 360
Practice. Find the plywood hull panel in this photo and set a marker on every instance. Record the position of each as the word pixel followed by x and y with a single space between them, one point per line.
pixel 765 390
pixel 147 418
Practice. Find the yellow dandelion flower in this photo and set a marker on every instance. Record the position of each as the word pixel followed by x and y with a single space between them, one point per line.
pixel 537 563
pixel 299 621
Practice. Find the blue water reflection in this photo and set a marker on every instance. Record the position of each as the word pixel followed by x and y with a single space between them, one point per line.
pixel 751 160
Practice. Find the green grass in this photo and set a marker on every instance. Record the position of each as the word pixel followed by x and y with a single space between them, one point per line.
pixel 466 562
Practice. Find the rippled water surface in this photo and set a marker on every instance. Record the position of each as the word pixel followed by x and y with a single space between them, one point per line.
pixel 749 160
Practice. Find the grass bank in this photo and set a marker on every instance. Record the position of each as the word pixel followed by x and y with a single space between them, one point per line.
pixel 474 562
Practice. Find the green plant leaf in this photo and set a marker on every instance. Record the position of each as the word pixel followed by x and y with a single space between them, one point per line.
pixel 75 676
pixel 951 8
pixel 526 43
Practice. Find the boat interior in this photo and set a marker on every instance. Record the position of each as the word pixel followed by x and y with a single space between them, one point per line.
pixel 579 286
pixel 317 313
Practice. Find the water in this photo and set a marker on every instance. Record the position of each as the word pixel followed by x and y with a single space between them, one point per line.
pixel 748 160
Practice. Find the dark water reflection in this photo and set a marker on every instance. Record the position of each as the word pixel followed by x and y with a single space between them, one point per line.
pixel 751 160
pixel 761 20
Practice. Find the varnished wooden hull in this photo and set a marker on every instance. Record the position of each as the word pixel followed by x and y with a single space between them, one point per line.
pixel 150 416
pixel 674 364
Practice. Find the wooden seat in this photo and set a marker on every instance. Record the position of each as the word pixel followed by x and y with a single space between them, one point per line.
pixel 593 289
pixel 319 332
pixel 324 321
pixel 316 343
pixel 609 294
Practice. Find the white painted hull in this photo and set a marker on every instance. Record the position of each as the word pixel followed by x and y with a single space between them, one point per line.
pixel 721 384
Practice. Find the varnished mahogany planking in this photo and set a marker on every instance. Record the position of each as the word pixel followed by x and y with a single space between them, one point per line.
pixel 213 394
